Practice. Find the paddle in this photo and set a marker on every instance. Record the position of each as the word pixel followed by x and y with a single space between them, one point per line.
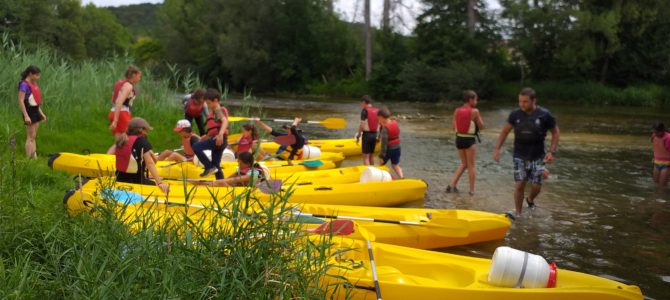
pixel 284 139
pixel 330 123
pixel 307 163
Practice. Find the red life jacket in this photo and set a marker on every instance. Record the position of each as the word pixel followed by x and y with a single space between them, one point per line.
pixel 373 120
pixel 394 132
pixel 661 153
pixel 186 144
pixel 244 144
pixel 35 92
pixel 464 119
pixel 117 89
pixel 213 126
pixel 192 109
pixel 125 162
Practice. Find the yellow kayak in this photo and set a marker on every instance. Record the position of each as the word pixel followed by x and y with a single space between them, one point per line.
pixel 444 228
pixel 392 193
pixel 96 165
pixel 406 273
pixel 348 147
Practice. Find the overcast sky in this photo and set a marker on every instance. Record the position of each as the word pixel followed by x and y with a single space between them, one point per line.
pixel 351 10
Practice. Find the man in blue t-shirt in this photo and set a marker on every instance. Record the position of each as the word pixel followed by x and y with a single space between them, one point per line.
pixel 530 123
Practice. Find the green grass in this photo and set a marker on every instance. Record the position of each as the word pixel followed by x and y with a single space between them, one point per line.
pixel 45 254
pixel 591 93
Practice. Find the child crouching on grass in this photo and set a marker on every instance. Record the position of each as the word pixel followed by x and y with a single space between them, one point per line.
pixel 389 137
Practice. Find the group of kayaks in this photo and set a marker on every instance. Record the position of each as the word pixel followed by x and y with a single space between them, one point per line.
pixel 396 238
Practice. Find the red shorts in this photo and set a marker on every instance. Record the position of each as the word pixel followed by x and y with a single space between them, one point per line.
pixel 122 123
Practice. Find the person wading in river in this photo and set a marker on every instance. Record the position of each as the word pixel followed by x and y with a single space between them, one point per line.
pixel 466 122
pixel 530 123
pixel 661 141
pixel 367 130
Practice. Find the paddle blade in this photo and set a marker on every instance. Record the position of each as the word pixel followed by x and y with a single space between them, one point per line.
pixel 313 163
pixel 335 227
pixel 270 186
pixel 334 123
pixel 237 119
pixel 284 140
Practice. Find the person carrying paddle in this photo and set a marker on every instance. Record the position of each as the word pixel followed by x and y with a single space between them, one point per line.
pixel 367 130
pixel 293 131
pixel 122 100
pixel 466 122
pixel 216 138
pixel 660 139
pixel 30 102
pixel 248 173
pixel 193 109
pixel 530 123
pixel 188 139
pixel 134 156
pixel 389 136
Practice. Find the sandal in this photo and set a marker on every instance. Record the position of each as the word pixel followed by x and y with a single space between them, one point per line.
pixel 531 205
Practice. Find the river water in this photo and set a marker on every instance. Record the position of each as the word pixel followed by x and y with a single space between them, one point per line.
pixel 598 212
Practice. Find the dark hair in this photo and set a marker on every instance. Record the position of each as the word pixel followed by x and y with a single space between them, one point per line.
pixel 658 126
pixel 32 69
pixel 198 94
pixel 132 70
pixel 384 113
pixel 212 94
pixel 469 94
pixel 366 99
pixel 246 157
pixel 252 128
pixel 528 92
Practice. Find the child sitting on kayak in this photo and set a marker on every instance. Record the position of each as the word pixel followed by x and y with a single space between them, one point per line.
pixel 292 130
pixel 390 141
pixel 249 142
pixel 248 173
pixel 188 139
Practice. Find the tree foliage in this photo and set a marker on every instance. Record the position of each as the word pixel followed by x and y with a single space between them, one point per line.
pixel 79 32
pixel 267 45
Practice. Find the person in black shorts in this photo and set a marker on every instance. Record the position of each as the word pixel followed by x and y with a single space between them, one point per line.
pixel 530 123
pixel 367 130
pixel 300 141
pixel 467 122
pixel 30 102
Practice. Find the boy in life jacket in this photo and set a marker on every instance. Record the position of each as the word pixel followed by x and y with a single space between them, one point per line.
pixel 248 173
pixel 134 156
pixel 466 122
pixel 122 100
pixel 367 130
pixel 216 138
pixel 193 109
pixel 389 137
pixel 300 140
pixel 188 139
pixel 661 145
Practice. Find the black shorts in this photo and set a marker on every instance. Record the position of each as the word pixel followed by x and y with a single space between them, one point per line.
pixel 368 142
pixel 464 142
pixel 34 114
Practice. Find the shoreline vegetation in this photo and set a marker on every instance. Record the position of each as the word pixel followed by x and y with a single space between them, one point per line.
pixel 46 254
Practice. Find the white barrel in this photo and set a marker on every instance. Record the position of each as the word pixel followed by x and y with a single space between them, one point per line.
pixel 515 268
pixel 372 174
pixel 197 162
pixel 310 152
pixel 228 156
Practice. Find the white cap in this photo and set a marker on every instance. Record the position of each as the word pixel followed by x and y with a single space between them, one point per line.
pixel 181 124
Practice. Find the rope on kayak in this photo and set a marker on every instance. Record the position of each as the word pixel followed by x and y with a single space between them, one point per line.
pixel 523 270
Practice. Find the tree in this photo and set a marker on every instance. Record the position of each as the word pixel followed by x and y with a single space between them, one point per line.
pixel 103 35
pixel 368 41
